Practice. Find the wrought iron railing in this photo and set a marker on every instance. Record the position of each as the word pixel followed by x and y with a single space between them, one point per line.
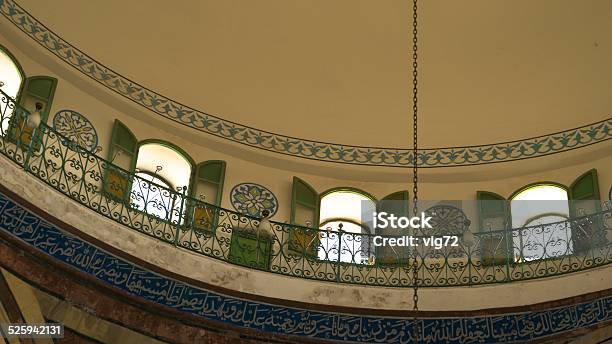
pixel 320 254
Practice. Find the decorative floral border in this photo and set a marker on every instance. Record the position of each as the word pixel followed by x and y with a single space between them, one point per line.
pixel 308 149
pixel 123 274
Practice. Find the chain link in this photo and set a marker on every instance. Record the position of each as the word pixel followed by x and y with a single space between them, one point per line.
pixel 415 179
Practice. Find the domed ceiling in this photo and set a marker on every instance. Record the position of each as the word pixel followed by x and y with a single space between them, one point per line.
pixel 340 71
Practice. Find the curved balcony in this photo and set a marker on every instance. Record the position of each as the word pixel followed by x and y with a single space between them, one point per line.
pixel 319 254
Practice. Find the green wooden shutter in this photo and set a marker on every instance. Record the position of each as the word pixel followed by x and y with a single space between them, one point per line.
pixel 494 219
pixel 584 200
pixel 304 203
pixel 397 204
pixel 207 184
pixel 304 208
pixel 122 156
pixel 398 196
pixel 208 181
pixel 586 186
pixel 36 90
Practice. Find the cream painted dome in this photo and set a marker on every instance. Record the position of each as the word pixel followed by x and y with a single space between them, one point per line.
pixel 340 71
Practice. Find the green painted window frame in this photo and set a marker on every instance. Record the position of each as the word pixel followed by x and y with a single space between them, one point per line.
pixel 351 190
pixel 175 148
pixel 523 189
pixel 186 207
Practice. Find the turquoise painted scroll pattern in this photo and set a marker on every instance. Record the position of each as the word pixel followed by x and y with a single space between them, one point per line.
pixel 77 128
pixel 297 147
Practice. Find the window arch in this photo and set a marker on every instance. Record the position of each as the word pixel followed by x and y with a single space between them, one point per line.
pixel 162 176
pixel 11 81
pixel 176 164
pixel 542 208
pixel 340 218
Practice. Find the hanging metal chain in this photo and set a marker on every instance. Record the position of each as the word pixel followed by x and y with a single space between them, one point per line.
pixel 415 179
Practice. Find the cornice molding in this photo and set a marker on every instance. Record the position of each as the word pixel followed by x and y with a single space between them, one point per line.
pixel 297 147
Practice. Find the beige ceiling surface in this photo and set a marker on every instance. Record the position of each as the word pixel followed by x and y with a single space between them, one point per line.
pixel 339 70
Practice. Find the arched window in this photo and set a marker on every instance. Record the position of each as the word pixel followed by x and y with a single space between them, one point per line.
pixel 163 173
pixel 340 217
pixel 11 79
pixel 543 209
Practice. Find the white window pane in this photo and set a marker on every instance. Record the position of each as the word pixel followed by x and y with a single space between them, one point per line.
pixel 152 196
pixel 11 80
pixel 342 204
pixel 346 246
pixel 539 208
pixel 175 168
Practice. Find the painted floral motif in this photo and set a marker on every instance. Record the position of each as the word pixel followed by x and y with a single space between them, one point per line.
pixel 76 128
pixel 252 199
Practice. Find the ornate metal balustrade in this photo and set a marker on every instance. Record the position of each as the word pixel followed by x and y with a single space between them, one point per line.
pixel 327 255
